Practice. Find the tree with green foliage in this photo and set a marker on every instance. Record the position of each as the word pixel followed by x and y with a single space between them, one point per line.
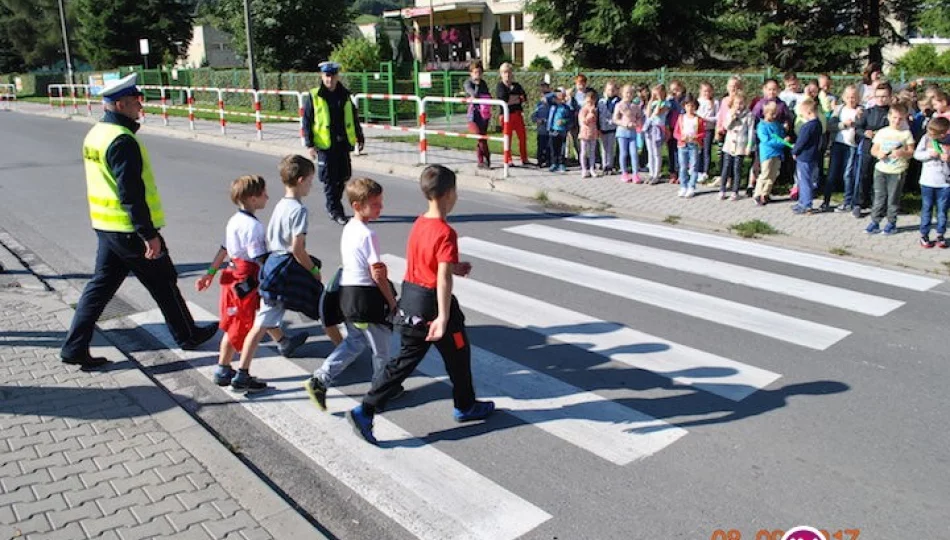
pixel 288 34
pixel 496 55
pixel 540 63
pixel 356 54
pixel 30 35
pixel 109 32
pixel 923 60
pixel 933 19
pixel 384 44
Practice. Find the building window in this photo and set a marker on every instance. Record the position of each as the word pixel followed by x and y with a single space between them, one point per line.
pixel 515 52
pixel 517 21
pixel 510 22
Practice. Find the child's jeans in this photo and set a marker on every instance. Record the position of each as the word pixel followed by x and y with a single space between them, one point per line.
pixel 769 172
pixel 628 154
pixel 806 173
pixel 654 157
pixel 931 197
pixel 557 147
pixel 544 149
pixel 841 167
pixel 887 196
pixel 607 141
pixel 588 155
pixel 686 157
pixel 704 163
pixel 731 168
pixel 375 336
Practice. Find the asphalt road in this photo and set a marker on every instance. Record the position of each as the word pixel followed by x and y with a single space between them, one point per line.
pixel 650 400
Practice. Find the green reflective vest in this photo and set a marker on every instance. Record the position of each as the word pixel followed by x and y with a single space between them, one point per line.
pixel 321 121
pixel 105 208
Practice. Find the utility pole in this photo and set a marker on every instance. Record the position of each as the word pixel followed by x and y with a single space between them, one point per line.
pixel 250 43
pixel 69 61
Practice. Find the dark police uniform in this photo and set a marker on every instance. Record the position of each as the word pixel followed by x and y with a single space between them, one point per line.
pixel 126 211
pixel 334 131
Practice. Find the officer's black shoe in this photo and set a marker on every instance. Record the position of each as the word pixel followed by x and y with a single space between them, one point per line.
pixel 342 220
pixel 86 362
pixel 199 336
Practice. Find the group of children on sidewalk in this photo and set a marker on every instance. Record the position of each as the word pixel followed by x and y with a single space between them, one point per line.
pixel 270 272
pixel 787 134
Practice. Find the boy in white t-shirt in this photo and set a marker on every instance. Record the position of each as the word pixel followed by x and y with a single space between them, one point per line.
pixel 366 295
pixel 934 156
pixel 245 244
pixel 893 146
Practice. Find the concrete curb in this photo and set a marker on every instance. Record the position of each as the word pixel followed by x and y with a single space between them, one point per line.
pixel 267 507
pixel 493 183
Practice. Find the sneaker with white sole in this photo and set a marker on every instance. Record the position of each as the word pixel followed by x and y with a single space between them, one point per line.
pixel 690 193
pixel 247 384
pixel 681 192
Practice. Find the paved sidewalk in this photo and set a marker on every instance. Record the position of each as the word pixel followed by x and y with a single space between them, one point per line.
pixel 839 234
pixel 108 454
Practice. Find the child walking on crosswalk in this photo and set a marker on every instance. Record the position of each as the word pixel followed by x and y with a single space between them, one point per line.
pixel 428 313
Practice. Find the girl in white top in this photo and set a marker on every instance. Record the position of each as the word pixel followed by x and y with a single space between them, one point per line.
pixel 709 111
pixel 934 176
pixel 844 148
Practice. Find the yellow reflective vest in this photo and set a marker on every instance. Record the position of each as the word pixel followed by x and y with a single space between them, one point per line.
pixel 105 208
pixel 321 121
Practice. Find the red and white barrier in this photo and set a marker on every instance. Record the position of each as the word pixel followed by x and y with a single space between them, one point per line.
pixel 77 93
pixel 506 125
pixel 419 112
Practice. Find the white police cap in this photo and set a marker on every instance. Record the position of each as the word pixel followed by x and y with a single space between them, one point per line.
pixel 330 68
pixel 125 86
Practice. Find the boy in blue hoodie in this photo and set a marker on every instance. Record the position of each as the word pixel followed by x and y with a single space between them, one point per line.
pixel 807 153
pixel 560 120
pixel 772 144
pixel 540 118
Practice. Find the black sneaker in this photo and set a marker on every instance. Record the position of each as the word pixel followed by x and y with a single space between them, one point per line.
pixel 87 362
pixel 926 242
pixel 317 392
pixel 825 207
pixel 289 344
pixel 199 335
pixel 247 385
pixel 941 242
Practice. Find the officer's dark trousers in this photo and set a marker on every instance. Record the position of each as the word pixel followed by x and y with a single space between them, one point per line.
pixel 119 254
pixel 453 347
pixel 333 170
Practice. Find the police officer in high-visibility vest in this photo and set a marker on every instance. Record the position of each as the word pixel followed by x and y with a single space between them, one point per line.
pixel 126 213
pixel 333 131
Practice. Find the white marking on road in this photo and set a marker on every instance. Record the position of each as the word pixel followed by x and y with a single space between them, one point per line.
pixel 684 365
pixel 732 273
pixel 753 249
pixel 725 312
pixel 430 494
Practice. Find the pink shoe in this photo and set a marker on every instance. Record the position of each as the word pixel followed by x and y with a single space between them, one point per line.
pixel 625 178
pixel 637 179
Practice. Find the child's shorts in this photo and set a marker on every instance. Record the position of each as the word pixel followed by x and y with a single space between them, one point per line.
pixel 270 315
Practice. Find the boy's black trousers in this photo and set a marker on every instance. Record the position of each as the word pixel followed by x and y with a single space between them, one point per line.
pixel 417 307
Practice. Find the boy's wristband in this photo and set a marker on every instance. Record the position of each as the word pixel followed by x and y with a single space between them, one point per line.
pixel 212 270
pixel 315 270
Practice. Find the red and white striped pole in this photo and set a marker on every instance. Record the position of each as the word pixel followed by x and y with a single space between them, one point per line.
pixel 423 143
pixel 224 129
pixel 88 101
pixel 62 98
pixel 303 137
pixel 72 93
pixel 257 116
pixel 164 106
pixel 506 131
pixel 49 94
pixel 190 96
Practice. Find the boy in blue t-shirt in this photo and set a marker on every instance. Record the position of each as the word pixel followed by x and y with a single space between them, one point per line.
pixel 560 121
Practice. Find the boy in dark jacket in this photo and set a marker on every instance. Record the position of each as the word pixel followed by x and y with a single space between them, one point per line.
pixel 867 125
pixel 807 154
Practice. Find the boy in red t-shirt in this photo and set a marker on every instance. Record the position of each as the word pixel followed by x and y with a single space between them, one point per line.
pixel 428 312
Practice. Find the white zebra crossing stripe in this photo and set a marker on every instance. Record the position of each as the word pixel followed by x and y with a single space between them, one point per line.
pixel 607 429
pixel 732 273
pixel 850 269
pixel 726 312
pixel 430 494
pixel 684 365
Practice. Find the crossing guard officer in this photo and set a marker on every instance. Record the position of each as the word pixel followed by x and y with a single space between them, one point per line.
pixel 334 131
pixel 126 213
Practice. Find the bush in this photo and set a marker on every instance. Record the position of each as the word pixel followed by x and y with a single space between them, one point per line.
pixel 356 54
pixel 923 60
pixel 540 63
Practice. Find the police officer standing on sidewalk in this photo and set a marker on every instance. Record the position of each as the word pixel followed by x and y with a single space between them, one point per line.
pixel 126 214
pixel 334 132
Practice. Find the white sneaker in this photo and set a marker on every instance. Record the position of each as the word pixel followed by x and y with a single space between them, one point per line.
pixel 722 195
pixel 690 192
pixel 702 178
pixel 682 192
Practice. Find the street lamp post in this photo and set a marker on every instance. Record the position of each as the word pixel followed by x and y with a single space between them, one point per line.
pixel 62 22
pixel 250 43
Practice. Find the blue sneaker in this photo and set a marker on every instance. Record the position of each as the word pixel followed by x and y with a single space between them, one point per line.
pixel 479 411
pixel 223 375
pixel 553 168
pixel 562 168
pixel 362 424
pixel 873 228
pixel 890 228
